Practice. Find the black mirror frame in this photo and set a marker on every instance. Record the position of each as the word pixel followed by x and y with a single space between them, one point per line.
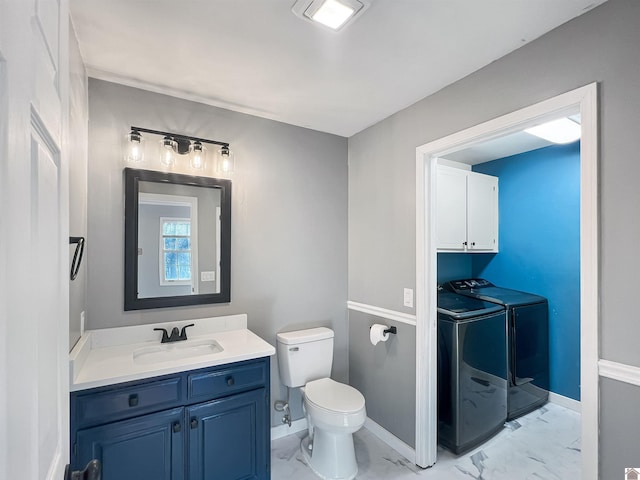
pixel 132 178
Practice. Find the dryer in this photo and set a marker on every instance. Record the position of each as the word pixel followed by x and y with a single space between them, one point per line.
pixel 472 370
pixel 528 341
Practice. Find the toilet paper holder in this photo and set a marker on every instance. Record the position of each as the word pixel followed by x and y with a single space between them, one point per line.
pixel 393 330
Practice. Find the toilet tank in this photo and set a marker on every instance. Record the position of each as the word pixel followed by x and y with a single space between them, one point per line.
pixel 304 355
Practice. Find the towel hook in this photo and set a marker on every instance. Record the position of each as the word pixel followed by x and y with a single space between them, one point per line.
pixel 77 256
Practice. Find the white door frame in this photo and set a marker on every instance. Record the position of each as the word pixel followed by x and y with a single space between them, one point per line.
pixel 584 100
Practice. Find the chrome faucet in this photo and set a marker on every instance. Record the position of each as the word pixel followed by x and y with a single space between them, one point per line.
pixel 176 335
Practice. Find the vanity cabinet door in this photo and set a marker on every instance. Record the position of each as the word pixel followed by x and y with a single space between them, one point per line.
pixel 146 447
pixel 229 438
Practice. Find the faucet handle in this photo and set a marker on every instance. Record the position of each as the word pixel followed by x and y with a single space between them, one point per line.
pixel 165 334
pixel 183 333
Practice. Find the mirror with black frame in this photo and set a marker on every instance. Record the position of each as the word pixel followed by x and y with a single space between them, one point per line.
pixel 177 240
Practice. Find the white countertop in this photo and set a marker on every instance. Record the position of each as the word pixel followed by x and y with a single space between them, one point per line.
pixel 106 357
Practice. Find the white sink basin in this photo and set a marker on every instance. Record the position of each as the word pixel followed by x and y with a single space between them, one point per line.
pixel 175 351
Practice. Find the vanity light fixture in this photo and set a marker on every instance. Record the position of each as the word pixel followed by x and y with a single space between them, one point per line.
pixel 333 14
pixel 173 146
pixel 560 131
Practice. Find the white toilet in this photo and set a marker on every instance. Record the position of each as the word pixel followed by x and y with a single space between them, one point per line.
pixel 334 410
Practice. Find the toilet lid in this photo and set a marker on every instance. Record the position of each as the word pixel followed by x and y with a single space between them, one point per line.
pixel 331 395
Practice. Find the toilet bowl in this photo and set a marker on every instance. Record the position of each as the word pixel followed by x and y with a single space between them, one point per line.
pixel 334 411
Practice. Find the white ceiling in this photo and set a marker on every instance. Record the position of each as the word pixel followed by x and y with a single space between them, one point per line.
pixel 501 147
pixel 506 145
pixel 257 57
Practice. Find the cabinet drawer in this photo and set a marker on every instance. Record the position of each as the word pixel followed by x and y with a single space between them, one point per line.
pixel 222 382
pixel 122 402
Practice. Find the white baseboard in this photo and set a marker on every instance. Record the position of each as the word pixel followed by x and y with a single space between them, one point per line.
pixel 284 430
pixel 566 402
pixel 390 439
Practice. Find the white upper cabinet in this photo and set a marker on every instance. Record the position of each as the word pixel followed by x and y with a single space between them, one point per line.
pixel 451 208
pixel 466 211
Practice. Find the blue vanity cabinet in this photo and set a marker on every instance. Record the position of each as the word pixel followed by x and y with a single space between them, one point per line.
pixel 151 446
pixel 194 425
pixel 224 441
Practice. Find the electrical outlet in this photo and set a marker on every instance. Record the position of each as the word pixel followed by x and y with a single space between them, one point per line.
pixel 207 276
pixel 408 297
pixel 81 323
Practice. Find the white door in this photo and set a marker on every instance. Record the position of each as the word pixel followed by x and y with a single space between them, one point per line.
pixel 482 212
pixel 451 208
pixel 34 277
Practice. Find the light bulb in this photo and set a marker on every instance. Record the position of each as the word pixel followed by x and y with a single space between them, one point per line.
pixel 167 148
pixel 198 156
pixel 226 160
pixel 134 147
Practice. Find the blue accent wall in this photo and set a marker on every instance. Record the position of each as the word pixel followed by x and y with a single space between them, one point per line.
pixel 454 266
pixel 539 243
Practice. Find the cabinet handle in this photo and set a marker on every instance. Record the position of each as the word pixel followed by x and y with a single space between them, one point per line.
pixel 194 423
pixel 176 427
pixel 473 244
pixel 464 244
pixel 133 400
pixel 93 471
pixel 230 381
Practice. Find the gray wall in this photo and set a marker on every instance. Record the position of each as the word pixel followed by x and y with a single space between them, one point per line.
pixel 385 374
pixel 620 423
pixel 289 217
pixel 78 118
pixel 601 46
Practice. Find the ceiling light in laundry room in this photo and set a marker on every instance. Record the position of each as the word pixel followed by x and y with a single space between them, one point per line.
pixel 562 130
pixel 333 14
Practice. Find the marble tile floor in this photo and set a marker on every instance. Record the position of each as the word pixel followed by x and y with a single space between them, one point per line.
pixel 544 444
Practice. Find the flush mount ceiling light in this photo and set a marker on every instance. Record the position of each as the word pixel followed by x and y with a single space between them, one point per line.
pixel 563 130
pixel 333 14
pixel 173 146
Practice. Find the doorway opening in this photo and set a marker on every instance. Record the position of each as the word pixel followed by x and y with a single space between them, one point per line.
pixel 582 102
